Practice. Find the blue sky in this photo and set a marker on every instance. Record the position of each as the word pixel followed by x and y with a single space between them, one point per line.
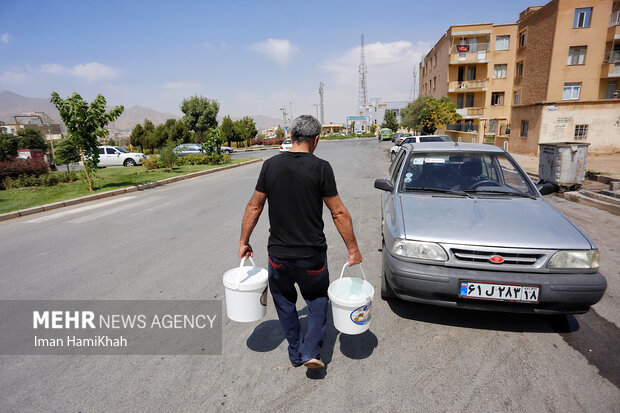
pixel 251 56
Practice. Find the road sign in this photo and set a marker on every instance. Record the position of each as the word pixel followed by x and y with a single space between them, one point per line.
pixel 356 117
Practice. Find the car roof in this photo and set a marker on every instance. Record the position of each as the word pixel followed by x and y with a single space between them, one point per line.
pixel 452 147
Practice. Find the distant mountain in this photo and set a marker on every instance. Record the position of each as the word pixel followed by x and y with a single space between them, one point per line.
pixel 12 104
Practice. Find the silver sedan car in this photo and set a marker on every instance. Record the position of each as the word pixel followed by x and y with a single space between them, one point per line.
pixel 463 226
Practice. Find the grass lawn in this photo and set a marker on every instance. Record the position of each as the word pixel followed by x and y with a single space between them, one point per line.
pixel 107 179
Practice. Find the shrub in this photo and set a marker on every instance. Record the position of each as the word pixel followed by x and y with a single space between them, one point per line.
pixel 151 162
pixel 50 179
pixel 29 167
pixel 167 156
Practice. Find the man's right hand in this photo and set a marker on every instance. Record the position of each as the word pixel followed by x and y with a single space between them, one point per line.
pixel 355 257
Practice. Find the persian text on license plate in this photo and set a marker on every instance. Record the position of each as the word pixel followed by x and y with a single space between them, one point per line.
pixel 503 292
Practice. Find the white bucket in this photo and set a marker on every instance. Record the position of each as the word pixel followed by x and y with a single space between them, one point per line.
pixel 246 292
pixel 351 303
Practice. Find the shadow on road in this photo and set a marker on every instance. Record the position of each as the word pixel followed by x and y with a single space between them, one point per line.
pixel 484 320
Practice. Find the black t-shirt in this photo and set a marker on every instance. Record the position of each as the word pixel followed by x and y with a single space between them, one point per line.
pixel 295 184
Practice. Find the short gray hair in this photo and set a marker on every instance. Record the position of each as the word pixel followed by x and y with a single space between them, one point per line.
pixel 305 128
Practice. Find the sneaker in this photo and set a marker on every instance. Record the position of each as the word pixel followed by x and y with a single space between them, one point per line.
pixel 314 364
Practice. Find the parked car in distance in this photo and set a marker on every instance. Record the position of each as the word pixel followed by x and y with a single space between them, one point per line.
pixel 399 137
pixel 196 149
pixel 118 156
pixel 286 146
pixel 463 226
pixel 418 139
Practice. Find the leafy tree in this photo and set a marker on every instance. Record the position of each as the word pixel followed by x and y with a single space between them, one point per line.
pixel 411 113
pixel 279 132
pixel 246 129
pixel 66 153
pixel 213 143
pixel 31 139
pixel 227 130
pixel 167 156
pixel 85 123
pixel 389 121
pixel 111 142
pixel 179 133
pixel 200 113
pixel 437 114
pixel 373 128
pixel 352 127
pixel 8 147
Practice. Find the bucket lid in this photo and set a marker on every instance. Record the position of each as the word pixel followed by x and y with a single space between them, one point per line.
pixel 249 278
pixel 352 291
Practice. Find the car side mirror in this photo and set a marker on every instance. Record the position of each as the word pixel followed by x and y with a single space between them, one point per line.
pixel 384 185
pixel 545 188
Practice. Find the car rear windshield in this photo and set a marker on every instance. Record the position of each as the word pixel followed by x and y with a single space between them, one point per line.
pixel 463 171
pixel 435 139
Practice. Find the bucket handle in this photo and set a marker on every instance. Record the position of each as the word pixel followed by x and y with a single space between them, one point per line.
pixel 346 264
pixel 241 265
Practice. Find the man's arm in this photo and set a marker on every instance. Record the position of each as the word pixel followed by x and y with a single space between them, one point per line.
pixel 250 218
pixel 344 225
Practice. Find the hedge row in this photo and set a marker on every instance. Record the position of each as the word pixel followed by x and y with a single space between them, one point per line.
pixel 28 167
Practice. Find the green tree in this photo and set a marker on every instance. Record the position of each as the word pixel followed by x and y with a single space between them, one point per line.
pixel 200 113
pixel 390 121
pixel 66 153
pixel 227 130
pixel 8 147
pixel 137 136
pixel 437 114
pixel 246 129
pixel 411 113
pixel 213 143
pixel 352 127
pixel 31 139
pixel 85 123
pixel 279 132
pixel 111 142
pixel 179 133
pixel 373 128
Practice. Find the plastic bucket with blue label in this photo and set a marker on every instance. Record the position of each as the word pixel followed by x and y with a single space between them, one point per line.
pixel 246 292
pixel 351 300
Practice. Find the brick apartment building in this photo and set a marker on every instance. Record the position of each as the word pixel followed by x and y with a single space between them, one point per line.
pixel 553 76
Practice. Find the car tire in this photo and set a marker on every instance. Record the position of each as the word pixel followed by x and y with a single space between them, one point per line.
pixel 129 162
pixel 386 290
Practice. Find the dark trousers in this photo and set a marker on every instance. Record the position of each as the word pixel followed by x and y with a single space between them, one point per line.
pixel 312 277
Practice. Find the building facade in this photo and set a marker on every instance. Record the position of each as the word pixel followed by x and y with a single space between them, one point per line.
pixel 547 78
pixel 373 113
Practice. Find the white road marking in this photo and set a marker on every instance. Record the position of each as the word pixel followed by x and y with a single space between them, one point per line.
pixel 78 210
pixel 97 215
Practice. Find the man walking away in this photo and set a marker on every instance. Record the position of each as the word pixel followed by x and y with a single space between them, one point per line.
pixel 296 184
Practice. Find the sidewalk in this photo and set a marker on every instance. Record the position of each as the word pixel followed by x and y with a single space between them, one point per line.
pixel 608 165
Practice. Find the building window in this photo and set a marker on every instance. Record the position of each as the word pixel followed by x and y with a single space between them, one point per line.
pixel 471 72
pixel 469 100
pixel 517 98
pixel 571 91
pixel 522 37
pixel 611 93
pixel 519 71
pixel 434 82
pixel 576 55
pixel 502 42
pixel 581 132
pixel 499 71
pixel 492 125
pixel 582 18
pixel 435 60
pixel 497 98
pixel 524 126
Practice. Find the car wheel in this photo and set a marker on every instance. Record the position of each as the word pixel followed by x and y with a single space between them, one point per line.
pixel 129 162
pixel 386 290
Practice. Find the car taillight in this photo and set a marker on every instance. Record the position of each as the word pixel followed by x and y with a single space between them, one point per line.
pixel 281 147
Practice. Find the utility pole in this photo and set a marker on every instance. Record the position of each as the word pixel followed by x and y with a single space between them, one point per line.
pixel 316 105
pixel 322 119
pixel 283 109
pixel 412 94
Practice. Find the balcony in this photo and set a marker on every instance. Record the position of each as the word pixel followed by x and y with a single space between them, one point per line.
pixel 610 70
pixel 469 57
pixel 615 19
pixel 471 112
pixel 468 85
pixel 468 127
pixel 612 57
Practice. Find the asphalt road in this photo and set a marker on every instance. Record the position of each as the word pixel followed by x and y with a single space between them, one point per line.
pixel 176 241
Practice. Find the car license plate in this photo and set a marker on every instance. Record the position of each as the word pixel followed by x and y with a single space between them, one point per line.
pixel 501 292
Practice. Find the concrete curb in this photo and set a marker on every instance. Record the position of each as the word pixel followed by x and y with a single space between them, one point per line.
pixel 102 195
pixel 590 199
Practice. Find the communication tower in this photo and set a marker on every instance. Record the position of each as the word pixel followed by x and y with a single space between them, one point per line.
pixel 362 98
pixel 321 106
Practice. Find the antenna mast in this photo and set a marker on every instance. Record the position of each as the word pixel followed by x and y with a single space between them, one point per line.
pixel 412 94
pixel 362 98
pixel 321 106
